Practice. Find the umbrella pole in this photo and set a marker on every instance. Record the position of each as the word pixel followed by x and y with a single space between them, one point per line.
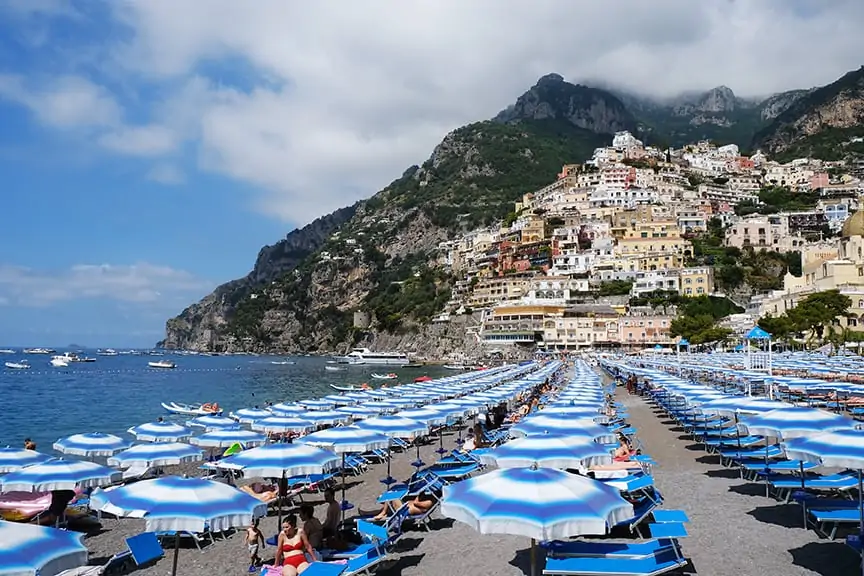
pixel 282 487
pixel 344 502
pixel 176 553
pixel 767 484
pixel 803 496
pixel 533 560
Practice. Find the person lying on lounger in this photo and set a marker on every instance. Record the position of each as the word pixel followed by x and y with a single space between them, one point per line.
pixel 420 504
pixel 624 451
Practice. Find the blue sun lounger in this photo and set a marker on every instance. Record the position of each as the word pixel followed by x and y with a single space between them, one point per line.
pixel 827 521
pixel 664 537
pixel 659 563
pixel 835 482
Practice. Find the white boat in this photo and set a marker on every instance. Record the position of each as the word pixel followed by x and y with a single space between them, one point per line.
pixel 390 376
pixel 283 362
pixel 59 361
pixel 7 351
pixel 162 364
pixel 39 351
pixel 17 365
pixel 349 388
pixel 454 367
pixel 191 409
pixel 366 356
pixel 106 352
pixel 334 369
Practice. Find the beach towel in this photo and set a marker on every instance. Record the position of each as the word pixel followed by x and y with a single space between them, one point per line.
pixel 233 449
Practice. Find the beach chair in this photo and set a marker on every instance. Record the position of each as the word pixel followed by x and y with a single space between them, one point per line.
pixel 660 562
pixel 137 472
pixel 841 483
pixel 828 520
pixel 143 549
pixel 642 510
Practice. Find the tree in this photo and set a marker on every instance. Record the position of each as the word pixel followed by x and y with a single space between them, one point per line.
pixel 811 316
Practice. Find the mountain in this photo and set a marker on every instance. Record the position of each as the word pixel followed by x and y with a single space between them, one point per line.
pixel 379 257
pixel 717 114
pixel 821 123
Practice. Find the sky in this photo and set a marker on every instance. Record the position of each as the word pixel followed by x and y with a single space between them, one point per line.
pixel 149 148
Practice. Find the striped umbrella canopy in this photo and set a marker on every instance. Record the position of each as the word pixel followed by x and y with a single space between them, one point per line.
pixel 283 409
pixel 449 411
pixel 794 422
pixel 276 460
pixel 171 503
pixel 28 549
pixel 402 402
pixel 346 439
pixel 563 427
pixel 741 405
pixel 282 424
pixel 322 417
pixel 210 422
pixel 425 415
pixel 381 406
pixel 539 503
pixel 160 432
pixel 91 444
pixel 12 459
pixel 358 411
pixel 227 437
pixel 548 451
pixel 58 474
pixel 157 454
pixel 395 427
pixel 317 404
pixel 246 415
pixel 836 449
pixel 340 400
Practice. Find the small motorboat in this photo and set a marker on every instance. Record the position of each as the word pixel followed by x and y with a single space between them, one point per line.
pixel 162 364
pixel 333 369
pixel 423 379
pixel 192 409
pixel 283 362
pixel 17 365
pixel 351 388
pixel 7 351
pixel 412 365
pixel 454 367
pixel 390 376
pixel 59 361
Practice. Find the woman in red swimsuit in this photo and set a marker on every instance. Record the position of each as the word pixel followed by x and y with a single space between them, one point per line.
pixel 291 546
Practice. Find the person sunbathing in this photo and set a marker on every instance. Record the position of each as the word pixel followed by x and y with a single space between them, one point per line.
pixel 261 491
pixel 420 504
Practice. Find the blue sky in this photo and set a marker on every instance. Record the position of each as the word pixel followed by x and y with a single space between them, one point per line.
pixel 149 148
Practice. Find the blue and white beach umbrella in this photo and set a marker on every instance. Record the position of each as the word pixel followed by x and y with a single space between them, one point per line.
pixel 210 422
pixel 171 503
pixel 547 451
pixel 157 454
pixel 276 460
pixel 425 415
pixel 539 503
pixel 91 444
pixel 282 424
pixel 317 404
pixel 27 550
pixel 794 422
pixel 535 425
pixel 160 432
pixel 283 409
pixel 358 412
pixel 322 417
pixel 226 438
pixel 246 415
pixel 346 440
pixel 58 474
pixel 395 427
pixel 12 459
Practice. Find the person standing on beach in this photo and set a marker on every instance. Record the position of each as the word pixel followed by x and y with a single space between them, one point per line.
pixel 254 542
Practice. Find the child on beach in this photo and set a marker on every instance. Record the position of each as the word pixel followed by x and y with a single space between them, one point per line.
pixel 255 542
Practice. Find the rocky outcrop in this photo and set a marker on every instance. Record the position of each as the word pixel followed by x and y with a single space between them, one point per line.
pixel 715 101
pixel 588 108
pixel 776 104
pixel 839 106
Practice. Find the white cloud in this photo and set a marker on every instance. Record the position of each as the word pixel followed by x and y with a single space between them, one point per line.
pixel 166 174
pixel 137 284
pixel 64 102
pixel 337 98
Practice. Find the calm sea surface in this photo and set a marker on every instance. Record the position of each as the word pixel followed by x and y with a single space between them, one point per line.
pixel 117 392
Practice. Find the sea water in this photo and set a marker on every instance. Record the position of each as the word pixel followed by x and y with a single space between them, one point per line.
pixel 117 392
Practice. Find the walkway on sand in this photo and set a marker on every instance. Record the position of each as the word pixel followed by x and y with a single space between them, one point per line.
pixel 734 529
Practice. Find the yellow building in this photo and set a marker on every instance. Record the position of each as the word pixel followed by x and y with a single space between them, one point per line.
pixel 661 236
pixel 491 291
pixel 517 324
pixel 697 281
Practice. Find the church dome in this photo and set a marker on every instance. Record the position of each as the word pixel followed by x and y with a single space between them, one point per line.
pixel 854 224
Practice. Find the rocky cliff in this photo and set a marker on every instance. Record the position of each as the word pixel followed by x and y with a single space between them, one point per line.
pixel 379 258
pixel 822 123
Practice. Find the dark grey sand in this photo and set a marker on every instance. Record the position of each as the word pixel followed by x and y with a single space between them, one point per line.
pixel 734 529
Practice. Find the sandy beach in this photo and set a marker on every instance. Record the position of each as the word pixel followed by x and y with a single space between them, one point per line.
pixel 734 528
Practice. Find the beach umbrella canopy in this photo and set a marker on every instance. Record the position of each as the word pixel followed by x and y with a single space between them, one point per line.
pixel 346 440
pixel 12 459
pixel 741 405
pixel 425 415
pixel 548 451
pixel 563 426
pixel 539 503
pixel 160 432
pixel 287 409
pixel 227 437
pixel 27 550
pixel 58 474
pixel 321 417
pixel 210 422
pixel 794 422
pixel 317 404
pixel 91 444
pixel 282 424
pixel 246 415
pixel 156 454
pixel 395 427
pixel 172 503
pixel 276 460
pixel 358 411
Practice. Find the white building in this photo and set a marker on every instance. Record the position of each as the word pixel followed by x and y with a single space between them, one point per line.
pixel 624 140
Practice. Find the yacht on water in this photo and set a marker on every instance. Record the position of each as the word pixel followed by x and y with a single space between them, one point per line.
pixel 7 351
pixel 60 361
pixel 39 351
pixel 22 365
pixel 162 364
pixel 106 352
pixel 366 356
